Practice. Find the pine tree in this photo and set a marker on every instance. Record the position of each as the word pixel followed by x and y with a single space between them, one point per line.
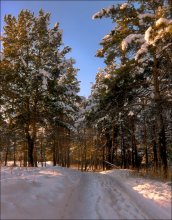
pixel 138 76
pixel 33 63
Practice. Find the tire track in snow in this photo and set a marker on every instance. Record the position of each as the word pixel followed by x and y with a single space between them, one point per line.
pixel 98 196
pixel 129 204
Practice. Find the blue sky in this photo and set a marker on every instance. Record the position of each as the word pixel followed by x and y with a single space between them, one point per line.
pixel 80 32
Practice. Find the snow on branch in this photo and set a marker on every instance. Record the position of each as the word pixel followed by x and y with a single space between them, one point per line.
pixel 142 50
pixel 162 26
pixel 163 21
pixel 106 38
pixel 142 17
pixel 124 6
pixel 56 25
pixel 147 34
pixel 103 12
pixel 46 75
pixel 138 38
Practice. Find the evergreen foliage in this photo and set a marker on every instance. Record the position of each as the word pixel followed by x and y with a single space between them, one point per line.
pixel 135 87
pixel 38 86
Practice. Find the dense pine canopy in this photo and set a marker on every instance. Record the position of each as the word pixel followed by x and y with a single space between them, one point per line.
pixel 38 85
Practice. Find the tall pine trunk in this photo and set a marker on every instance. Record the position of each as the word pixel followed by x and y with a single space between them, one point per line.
pixel 123 149
pixel 54 152
pixel 146 145
pixel 159 115
pixel 30 151
pixel 14 154
pixel 109 148
pixel 6 154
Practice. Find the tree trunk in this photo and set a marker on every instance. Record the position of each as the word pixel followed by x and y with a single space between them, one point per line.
pixel 30 151
pixel 45 159
pixel 155 156
pixel 113 142
pixel 132 152
pixel 14 154
pixel 68 149
pixel 145 143
pixel 57 152
pixel 31 127
pixel 35 157
pixel 103 157
pixel 135 153
pixel 163 153
pixel 41 151
pixel 6 155
pixel 159 114
pixel 123 148
pixel 25 154
pixel 68 156
pixel 54 153
pixel 136 161
pixel 109 147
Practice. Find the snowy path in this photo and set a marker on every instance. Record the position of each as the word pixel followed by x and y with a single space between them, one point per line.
pixel 99 197
pixel 60 193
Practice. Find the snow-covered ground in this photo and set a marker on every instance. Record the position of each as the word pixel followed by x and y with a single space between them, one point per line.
pixel 156 191
pixel 61 193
